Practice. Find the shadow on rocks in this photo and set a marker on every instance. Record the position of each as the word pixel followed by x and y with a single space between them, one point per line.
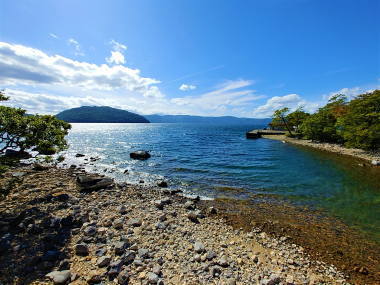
pixel 33 240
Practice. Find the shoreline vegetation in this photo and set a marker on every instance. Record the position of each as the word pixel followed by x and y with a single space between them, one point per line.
pixel 351 123
pixel 151 235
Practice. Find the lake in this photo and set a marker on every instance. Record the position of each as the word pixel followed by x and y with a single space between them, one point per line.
pixel 218 161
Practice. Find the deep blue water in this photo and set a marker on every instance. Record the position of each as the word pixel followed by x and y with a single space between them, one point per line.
pixel 218 161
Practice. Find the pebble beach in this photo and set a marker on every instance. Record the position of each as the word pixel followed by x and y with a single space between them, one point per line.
pixel 55 230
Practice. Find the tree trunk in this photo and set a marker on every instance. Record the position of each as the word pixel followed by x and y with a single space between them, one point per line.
pixel 286 125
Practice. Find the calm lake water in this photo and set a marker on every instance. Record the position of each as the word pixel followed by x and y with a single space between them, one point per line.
pixel 218 161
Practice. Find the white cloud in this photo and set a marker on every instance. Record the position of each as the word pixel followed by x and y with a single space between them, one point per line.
pixel 118 46
pixel 39 80
pixel 349 92
pixel 292 101
pixel 21 65
pixel 116 58
pixel 229 94
pixel 48 104
pixel 54 36
pixel 45 83
pixel 77 48
pixel 186 87
pixel 117 53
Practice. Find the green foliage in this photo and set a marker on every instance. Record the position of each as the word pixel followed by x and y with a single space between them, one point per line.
pixel 355 123
pixel 296 118
pixel 321 126
pixel 360 126
pixel 48 159
pixel 42 133
pixel 2 96
pixel 279 119
pixel 60 158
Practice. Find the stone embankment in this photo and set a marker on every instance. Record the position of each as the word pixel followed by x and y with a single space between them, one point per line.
pixel 53 232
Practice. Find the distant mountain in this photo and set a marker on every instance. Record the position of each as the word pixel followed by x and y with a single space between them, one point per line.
pixel 87 114
pixel 226 120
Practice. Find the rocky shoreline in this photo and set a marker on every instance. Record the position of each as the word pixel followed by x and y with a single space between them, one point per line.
pixel 370 157
pixel 56 230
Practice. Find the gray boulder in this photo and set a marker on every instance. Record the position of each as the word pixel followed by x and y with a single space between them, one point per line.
pixel 134 222
pixel 93 182
pixel 59 277
pixel 199 247
pixel 103 261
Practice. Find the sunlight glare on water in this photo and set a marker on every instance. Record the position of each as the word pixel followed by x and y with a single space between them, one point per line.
pixel 218 161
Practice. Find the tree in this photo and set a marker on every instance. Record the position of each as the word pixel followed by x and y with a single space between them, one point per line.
pixel 296 118
pixel 321 126
pixel 279 118
pixel 42 133
pixel 2 96
pixel 360 125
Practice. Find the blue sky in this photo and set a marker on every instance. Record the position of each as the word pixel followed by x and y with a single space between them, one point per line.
pixel 241 58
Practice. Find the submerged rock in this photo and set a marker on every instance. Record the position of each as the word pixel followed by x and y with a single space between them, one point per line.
pixel 140 155
pixel 162 184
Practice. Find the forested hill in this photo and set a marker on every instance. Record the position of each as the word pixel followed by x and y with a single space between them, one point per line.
pixel 226 120
pixel 87 114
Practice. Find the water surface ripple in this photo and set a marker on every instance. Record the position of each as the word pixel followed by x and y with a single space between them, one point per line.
pixel 218 161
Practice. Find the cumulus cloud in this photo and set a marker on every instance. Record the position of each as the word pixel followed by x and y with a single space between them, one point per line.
pixel 63 83
pixel 186 87
pixel 117 53
pixel 116 58
pixel 24 65
pixel 292 101
pixel 77 48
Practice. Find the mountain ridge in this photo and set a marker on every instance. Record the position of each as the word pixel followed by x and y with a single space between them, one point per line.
pixel 106 114
pixel 155 118
pixel 100 114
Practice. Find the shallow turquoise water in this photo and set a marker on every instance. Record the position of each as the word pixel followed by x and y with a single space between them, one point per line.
pixel 218 161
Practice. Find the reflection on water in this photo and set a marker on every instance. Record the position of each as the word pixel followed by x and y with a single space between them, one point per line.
pixel 218 161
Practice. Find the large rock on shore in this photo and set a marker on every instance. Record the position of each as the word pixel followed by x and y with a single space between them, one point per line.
pixel 140 155
pixel 93 182
pixel 59 277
